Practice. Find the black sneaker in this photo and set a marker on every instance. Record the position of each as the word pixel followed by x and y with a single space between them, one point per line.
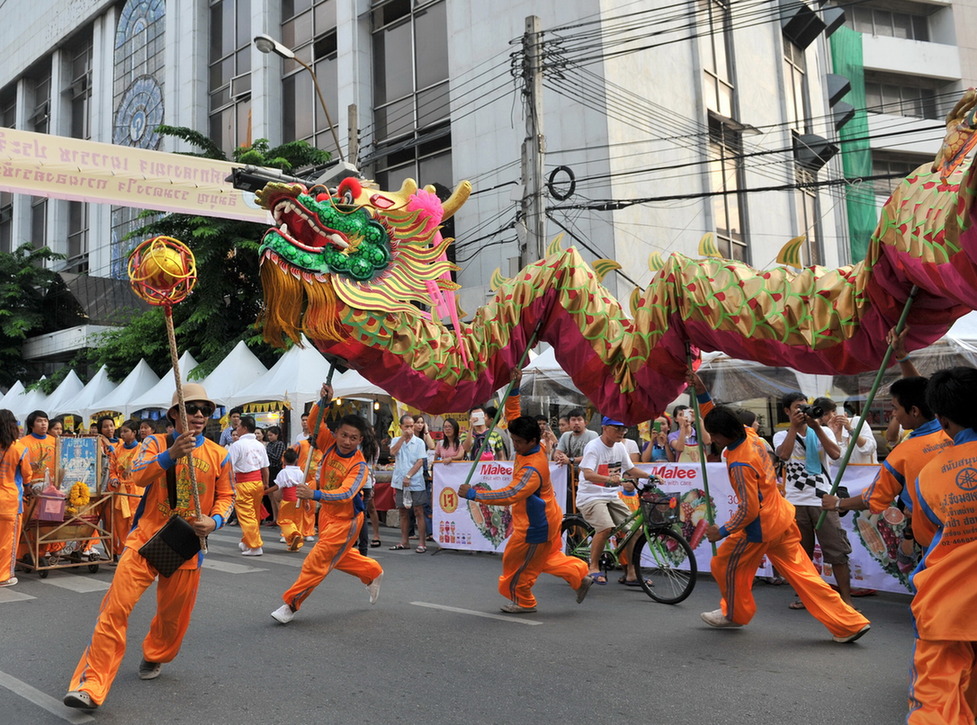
pixel 149 670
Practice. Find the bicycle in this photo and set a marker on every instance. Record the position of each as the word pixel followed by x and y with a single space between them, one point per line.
pixel 664 562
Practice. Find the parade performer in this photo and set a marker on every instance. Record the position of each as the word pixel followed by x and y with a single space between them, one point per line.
pixel 42 448
pixel 763 525
pixel 342 473
pixel 289 515
pixel 176 594
pixel 120 482
pixel 15 471
pixel 941 688
pixel 306 509
pixel 249 463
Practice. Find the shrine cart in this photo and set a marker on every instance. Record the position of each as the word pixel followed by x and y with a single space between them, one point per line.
pixel 58 544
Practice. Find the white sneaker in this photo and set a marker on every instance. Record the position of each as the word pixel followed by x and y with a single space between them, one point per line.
pixel 283 615
pixel 853 637
pixel 9 582
pixel 310 538
pixel 717 619
pixel 374 588
pixel 253 552
pixel 242 546
pixel 513 608
pixel 281 540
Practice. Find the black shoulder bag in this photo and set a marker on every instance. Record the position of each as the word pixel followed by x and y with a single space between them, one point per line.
pixel 176 542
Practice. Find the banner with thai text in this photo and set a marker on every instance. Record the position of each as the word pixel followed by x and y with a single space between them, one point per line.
pixel 471 526
pixel 59 167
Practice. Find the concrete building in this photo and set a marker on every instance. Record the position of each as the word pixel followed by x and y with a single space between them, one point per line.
pixel 660 125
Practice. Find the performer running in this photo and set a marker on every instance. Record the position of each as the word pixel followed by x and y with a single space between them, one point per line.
pixel 941 688
pixel 763 524
pixel 15 471
pixel 342 472
pixel 176 594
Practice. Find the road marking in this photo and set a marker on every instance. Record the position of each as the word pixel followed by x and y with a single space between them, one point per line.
pixel 229 568
pixel 475 613
pixel 77 584
pixel 12 595
pixel 32 694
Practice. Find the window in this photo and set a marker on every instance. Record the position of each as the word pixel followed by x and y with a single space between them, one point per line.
pixel 809 218
pixel 879 21
pixel 39 100
pixel 795 87
pixel 309 29
pixel 901 166
pixel 8 119
pixel 77 237
pixel 78 87
pixel 38 222
pixel 412 131
pixel 230 74
pixel 726 177
pixel 899 95
pixel 717 64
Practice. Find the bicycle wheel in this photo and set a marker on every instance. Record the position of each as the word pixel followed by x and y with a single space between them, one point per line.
pixel 577 535
pixel 665 565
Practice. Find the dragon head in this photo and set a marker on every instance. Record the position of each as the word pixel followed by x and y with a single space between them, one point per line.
pixel 355 245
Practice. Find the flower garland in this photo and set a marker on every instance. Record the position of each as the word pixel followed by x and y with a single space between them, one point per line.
pixel 78 497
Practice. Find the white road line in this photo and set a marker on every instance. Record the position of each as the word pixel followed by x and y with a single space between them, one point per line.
pixel 475 613
pixel 229 568
pixel 76 583
pixel 10 594
pixel 32 694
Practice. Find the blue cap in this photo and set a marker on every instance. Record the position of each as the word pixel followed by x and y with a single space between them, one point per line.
pixel 610 421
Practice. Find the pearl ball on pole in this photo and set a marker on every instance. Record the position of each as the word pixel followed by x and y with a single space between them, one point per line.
pixel 267 44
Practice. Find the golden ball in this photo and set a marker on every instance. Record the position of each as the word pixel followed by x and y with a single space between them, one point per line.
pixel 161 267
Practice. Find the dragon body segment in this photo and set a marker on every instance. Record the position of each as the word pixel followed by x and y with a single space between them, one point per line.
pixel 350 269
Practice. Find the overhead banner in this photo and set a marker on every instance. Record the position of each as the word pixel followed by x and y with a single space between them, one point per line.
pixel 467 525
pixel 59 167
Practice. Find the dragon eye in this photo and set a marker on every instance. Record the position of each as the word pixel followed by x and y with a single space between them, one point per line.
pixel 348 197
pixel 349 189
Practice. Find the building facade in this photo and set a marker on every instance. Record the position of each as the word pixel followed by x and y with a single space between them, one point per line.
pixel 658 126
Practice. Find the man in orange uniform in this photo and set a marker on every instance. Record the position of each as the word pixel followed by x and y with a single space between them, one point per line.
pixel 763 524
pixel 15 471
pixel 943 678
pixel 901 467
pixel 176 594
pixel 342 473
pixel 120 483
pixel 41 447
pixel 305 513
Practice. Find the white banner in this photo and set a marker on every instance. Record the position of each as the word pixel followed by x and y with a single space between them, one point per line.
pixel 472 526
pixel 477 527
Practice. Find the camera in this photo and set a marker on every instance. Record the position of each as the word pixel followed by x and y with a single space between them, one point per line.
pixel 813 411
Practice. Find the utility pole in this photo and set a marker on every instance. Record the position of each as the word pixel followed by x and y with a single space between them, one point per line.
pixel 533 215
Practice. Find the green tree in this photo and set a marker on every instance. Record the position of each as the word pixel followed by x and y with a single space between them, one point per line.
pixel 227 298
pixel 24 283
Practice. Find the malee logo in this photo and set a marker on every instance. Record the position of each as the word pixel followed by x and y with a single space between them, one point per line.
pixel 495 469
pixel 668 472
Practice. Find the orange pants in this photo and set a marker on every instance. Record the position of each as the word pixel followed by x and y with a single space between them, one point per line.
pixel 522 564
pixel 942 685
pixel 9 536
pixel 289 518
pixel 734 567
pixel 122 509
pixel 247 504
pixel 175 597
pixel 569 568
pixel 335 549
pixel 307 521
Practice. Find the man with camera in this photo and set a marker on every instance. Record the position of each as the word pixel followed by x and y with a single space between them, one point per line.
pixel 805 448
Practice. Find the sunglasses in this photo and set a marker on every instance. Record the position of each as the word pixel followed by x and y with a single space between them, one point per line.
pixel 205 408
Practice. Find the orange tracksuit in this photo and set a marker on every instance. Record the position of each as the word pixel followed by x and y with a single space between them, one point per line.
pixel 123 506
pixel 42 452
pixel 305 519
pixel 15 471
pixel 899 470
pixel 341 479
pixel 763 524
pixel 943 678
pixel 175 595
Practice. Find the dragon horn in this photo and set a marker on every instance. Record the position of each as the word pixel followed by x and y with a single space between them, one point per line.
pixel 458 197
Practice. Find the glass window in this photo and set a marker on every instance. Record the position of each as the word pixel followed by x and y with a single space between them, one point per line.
pixel 883 21
pixel 230 57
pixel 717 68
pixel 38 222
pixel 725 176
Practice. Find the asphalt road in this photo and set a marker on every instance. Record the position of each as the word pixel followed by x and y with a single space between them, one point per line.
pixel 435 649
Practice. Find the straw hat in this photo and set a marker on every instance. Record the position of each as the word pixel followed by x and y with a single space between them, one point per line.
pixel 192 392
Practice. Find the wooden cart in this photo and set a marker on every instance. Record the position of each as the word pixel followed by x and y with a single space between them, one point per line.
pixel 87 525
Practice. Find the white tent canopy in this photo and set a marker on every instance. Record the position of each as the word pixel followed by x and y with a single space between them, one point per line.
pixel 62 400
pixel 353 385
pixel 31 400
pixel 90 399
pixel 238 370
pixel 16 390
pixel 161 394
pixel 137 382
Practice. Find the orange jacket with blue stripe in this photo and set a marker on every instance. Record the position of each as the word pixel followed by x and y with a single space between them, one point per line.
pixel 15 471
pixel 213 475
pixel 901 467
pixel 530 522
pixel 946 586
pixel 42 452
pixel 341 478
pixel 762 514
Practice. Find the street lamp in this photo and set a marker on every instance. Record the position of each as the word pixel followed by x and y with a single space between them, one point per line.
pixel 267 44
